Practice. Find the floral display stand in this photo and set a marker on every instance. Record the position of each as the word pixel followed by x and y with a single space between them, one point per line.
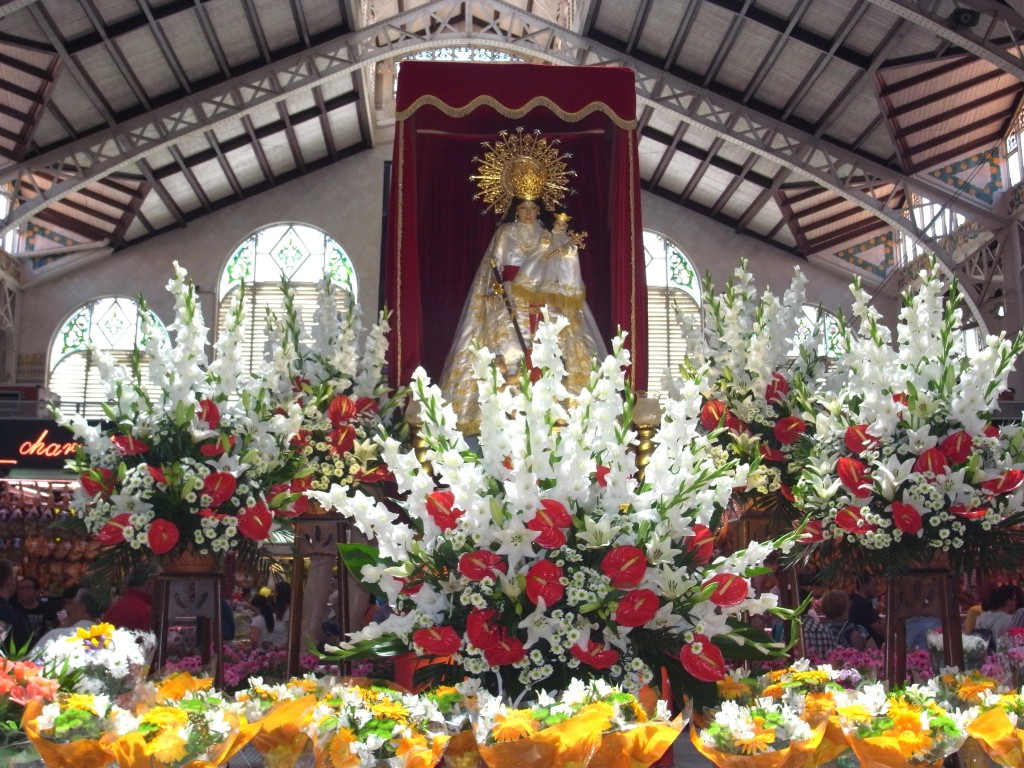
pixel 931 591
pixel 187 596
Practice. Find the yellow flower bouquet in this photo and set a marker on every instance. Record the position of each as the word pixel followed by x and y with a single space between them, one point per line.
pixel 997 728
pixel 282 711
pixel 72 730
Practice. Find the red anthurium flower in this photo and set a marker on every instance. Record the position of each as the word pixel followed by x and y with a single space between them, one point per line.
pixel 300 439
pixel 701 543
pixel 480 627
pixel 342 439
pixel 596 655
pixel 730 589
pixel 957 446
pixel 162 536
pixel 97 480
pixel 788 429
pixel 962 510
pixel 379 474
pixel 787 492
pixel 207 410
pixel 551 518
pixel 214 449
pixel 858 439
pixel 636 608
pixel 900 397
pixel 128 445
pixel 366 405
pixel 703 659
pixel 601 476
pixel 478 565
pixel 771 454
pixel 505 650
pixel 712 413
pixel 112 533
pixel 933 460
pixel 437 641
pixel 991 430
pixel 812 532
pixel 854 474
pixel 219 486
pixel 777 389
pixel 733 424
pixel 1008 482
pixel 441 507
pixel 341 410
pixel 549 538
pixel 544 580
pixel 157 473
pixel 625 566
pixel 254 522
pixel 851 519
pixel 906 517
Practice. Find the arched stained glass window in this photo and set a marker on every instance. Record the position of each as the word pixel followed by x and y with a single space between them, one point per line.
pixel 299 253
pixel 110 325
pixel 673 302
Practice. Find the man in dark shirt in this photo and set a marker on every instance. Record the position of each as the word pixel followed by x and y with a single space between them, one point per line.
pixel 15 631
pixel 41 614
pixel 134 608
pixel 862 607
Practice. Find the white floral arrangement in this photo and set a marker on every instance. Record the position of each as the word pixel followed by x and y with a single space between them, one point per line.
pixel 906 462
pixel 766 725
pixel 109 660
pixel 542 557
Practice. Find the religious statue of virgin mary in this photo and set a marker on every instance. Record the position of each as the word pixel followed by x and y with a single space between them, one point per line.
pixel 526 269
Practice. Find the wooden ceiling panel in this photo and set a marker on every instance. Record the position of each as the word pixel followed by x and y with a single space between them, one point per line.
pixel 752 45
pixel 76 107
pixel 277 23
pixel 109 80
pixel 700 49
pixel 659 29
pixel 616 18
pixel 153 72
pixel 278 153
pixel 178 187
pixel 322 15
pixel 229 25
pixel 246 166
pixel 311 139
pixel 789 71
pixel 215 183
pixel 827 88
pixel 345 128
pixel 184 35
pixel 680 169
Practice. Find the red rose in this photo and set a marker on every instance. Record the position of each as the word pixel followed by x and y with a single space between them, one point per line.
pixel 1004 484
pixel 219 486
pixel 480 627
pixel 636 608
pixel 441 507
pixel 504 650
pixel 906 517
pixel 206 410
pixel 851 519
pixel 112 533
pixel 437 641
pixel 476 566
pixel 625 566
pixel 788 429
pixel 858 439
pixel 703 659
pixel 933 460
pixel 596 655
pixel 957 446
pixel 128 445
pixel 342 439
pixel 730 589
pixel 712 413
pixel 341 410
pixel 97 480
pixel 543 580
pixel 701 544
pixel 162 536
pixel 854 474
pixel 254 522
pixel 777 389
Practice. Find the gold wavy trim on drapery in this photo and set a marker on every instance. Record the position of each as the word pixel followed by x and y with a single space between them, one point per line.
pixel 501 109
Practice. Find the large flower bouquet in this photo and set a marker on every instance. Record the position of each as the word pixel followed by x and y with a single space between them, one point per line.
pixel 107 660
pixel 997 728
pixel 764 733
pixel 191 466
pixel 906 462
pixel 337 376
pixel 74 728
pixel 541 557
pixel 756 364
pixel 20 683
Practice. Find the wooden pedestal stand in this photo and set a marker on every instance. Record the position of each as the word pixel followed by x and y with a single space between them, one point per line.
pixel 190 597
pixel 929 591
pixel 316 537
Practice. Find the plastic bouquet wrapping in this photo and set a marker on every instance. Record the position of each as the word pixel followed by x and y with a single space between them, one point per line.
pixel 541 556
pixel 282 711
pixel 74 730
pixel 975 650
pixel 767 733
pixel 107 659
pixel 905 727
pixel 361 724
pixel 906 463
pixel 996 728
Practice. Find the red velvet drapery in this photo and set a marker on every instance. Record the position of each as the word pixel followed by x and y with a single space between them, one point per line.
pixel 436 233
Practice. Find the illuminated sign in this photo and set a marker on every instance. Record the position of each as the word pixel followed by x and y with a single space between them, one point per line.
pixel 35 444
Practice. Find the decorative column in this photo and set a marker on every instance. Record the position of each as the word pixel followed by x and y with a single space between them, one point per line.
pixel 646 420
pixel 186 599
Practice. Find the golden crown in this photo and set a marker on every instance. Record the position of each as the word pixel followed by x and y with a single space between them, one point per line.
pixel 522 165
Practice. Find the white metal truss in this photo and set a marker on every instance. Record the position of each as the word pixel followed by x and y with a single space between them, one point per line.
pixel 497 24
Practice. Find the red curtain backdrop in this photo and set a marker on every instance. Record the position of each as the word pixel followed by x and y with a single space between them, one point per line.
pixel 437 233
